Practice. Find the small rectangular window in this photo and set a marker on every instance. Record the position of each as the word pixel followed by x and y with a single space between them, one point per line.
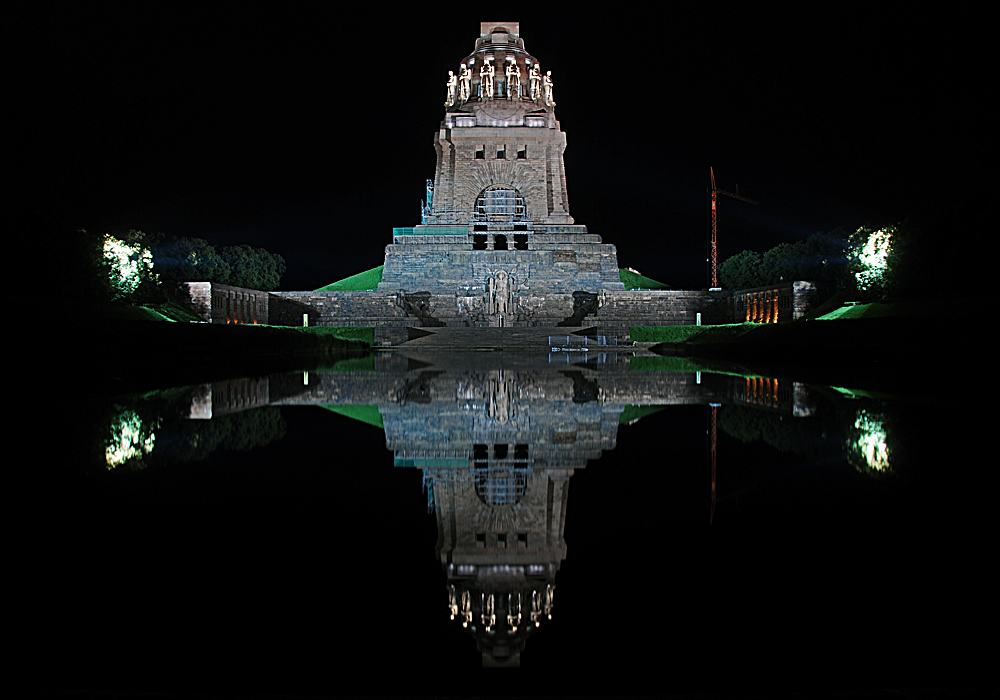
pixel 520 241
pixel 522 153
pixel 502 539
pixel 500 451
pixel 501 154
pixel 479 242
pixel 522 538
pixel 500 242
pixel 520 451
pixel 481 153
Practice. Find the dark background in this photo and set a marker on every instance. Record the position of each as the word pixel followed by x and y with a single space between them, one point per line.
pixel 309 132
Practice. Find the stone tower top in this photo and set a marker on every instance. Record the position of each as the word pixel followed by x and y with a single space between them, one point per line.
pixel 499 34
pixel 499 140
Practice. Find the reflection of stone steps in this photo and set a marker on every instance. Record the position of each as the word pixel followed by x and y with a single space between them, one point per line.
pixel 507 339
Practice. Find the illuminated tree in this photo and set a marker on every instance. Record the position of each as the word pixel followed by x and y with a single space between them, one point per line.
pixel 870 255
pixel 129 265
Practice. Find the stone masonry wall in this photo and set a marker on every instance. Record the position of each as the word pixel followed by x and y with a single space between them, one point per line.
pixel 530 303
pixel 222 304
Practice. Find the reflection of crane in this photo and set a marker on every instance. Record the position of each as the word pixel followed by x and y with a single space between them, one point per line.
pixel 715 259
pixel 713 432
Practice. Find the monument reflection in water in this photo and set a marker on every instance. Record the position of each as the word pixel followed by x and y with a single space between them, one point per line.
pixel 497 437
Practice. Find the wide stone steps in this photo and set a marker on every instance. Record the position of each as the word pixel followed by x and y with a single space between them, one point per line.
pixel 509 339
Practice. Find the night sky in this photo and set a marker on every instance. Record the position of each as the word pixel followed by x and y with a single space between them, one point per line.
pixel 309 132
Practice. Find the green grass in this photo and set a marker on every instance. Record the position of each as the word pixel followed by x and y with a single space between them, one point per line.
pixel 358 334
pixel 172 311
pixel 633 280
pixel 365 414
pixel 664 334
pixel 728 332
pixel 846 311
pixel 368 279
pixel 879 309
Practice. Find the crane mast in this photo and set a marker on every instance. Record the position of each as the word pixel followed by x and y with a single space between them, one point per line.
pixel 715 257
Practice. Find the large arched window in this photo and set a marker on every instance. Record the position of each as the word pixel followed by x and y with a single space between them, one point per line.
pixel 499 203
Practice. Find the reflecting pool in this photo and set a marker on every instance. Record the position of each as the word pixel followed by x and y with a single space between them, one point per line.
pixel 405 519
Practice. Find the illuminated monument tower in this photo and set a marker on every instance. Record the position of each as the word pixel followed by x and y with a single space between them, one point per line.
pixel 497 245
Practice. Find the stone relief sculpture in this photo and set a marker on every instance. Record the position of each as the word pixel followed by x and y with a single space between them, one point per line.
pixel 547 95
pixel 486 75
pixel 452 86
pixel 513 80
pixel 498 294
pixel 535 82
pixel 465 83
pixel 501 297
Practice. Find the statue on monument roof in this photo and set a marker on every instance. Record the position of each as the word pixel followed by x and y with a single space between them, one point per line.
pixel 549 99
pixel 535 82
pixel 452 86
pixel 486 74
pixel 513 79
pixel 465 83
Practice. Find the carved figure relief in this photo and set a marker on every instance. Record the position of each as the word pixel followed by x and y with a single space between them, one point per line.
pixel 499 294
pixel 501 285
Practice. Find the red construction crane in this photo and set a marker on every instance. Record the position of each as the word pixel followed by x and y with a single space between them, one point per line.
pixel 715 258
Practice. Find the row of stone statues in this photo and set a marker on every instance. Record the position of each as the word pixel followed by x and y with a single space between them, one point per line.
pixel 539 86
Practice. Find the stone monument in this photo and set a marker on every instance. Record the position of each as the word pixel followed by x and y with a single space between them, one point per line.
pixel 497 245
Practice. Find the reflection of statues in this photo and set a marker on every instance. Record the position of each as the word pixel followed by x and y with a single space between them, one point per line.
pixel 465 84
pixel 452 601
pixel 547 90
pixel 486 74
pixel 535 82
pixel 452 89
pixel 513 610
pixel 513 80
pixel 500 392
pixel 466 609
pixel 488 615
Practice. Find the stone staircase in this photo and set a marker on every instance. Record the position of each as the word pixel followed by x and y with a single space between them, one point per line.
pixel 489 339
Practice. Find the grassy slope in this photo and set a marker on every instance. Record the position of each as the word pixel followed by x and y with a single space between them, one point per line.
pixel 633 280
pixel 368 279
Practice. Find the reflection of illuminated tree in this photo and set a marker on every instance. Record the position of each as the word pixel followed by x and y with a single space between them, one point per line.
pixel 869 448
pixel 195 440
pixel 128 441
pixel 810 437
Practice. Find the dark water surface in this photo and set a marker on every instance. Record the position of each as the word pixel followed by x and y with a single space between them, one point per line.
pixel 258 535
